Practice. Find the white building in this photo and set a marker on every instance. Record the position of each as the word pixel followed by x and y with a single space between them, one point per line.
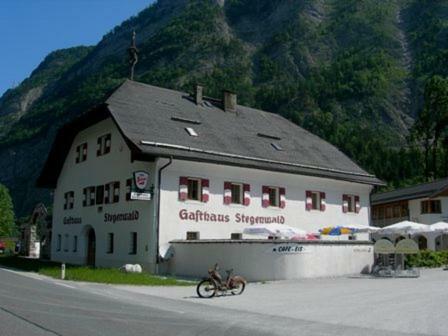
pixel 425 203
pixel 214 168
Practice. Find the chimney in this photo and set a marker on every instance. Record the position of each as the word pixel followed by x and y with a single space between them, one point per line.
pixel 198 94
pixel 229 101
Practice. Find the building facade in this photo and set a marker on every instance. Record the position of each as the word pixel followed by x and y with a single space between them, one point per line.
pixel 424 203
pixel 210 168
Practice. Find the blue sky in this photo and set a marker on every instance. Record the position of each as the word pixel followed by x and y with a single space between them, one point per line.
pixel 31 29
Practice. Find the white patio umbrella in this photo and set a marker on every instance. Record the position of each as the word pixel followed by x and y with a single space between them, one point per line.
pixel 406 227
pixel 440 226
pixel 363 228
pixel 278 230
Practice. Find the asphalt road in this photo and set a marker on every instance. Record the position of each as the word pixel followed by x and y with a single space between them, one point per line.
pixel 34 305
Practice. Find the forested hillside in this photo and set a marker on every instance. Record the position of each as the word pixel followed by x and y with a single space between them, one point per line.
pixel 352 71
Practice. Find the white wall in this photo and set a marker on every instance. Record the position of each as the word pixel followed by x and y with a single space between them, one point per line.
pixel 257 261
pixel 416 215
pixel 115 166
pixel 295 214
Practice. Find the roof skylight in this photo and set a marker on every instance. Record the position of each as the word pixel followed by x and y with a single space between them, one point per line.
pixel 274 137
pixel 276 146
pixel 190 121
pixel 191 131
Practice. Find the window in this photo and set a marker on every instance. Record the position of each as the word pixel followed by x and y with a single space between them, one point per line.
pixel 89 196
pixel 110 243
pixel 66 242
pixel 104 143
pixel 59 243
pixel 194 189
pixel 133 243
pixel 315 200
pixel 81 152
pixel 112 192
pixel 99 194
pixel 128 189
pixel 236 191
pixel 75 243
pixel 431 207
pixel 69 198
pixel 274 198
pixel 351 204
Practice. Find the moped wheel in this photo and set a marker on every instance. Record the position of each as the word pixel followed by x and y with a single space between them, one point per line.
pixel 206 289
pixel 238 288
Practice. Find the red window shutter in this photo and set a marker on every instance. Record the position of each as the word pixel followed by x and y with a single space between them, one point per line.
pixel 282 192
pixel 357 204
pixel 246 191
pixel 308 201
pixel 227 192
pixel 265 197
pixel 205 190
pixel 323 203
pixel 344 203
pixel 183 188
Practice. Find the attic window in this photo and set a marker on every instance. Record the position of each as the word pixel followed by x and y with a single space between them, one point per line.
pixel 269 136
pixel 276 146
pixel 190 121
pixel 191 131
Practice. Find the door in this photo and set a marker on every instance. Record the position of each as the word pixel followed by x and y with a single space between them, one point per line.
pixel 91 247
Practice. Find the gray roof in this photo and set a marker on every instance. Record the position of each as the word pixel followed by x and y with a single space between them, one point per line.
pixel 431 189
pixel 144 114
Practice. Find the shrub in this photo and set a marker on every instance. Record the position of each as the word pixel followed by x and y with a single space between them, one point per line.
pixel 428 258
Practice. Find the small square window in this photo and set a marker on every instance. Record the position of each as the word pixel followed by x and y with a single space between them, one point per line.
pixel 194 189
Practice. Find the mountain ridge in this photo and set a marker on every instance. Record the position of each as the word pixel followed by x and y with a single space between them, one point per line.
pixel 339 68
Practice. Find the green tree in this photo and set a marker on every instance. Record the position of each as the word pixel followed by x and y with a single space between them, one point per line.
pixel 432 121
pixel 7 225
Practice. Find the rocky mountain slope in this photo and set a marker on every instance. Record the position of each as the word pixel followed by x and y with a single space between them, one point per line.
pixel 351 71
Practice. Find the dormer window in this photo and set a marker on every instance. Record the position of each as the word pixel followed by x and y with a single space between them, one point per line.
pixel 104 144
pixel 276 146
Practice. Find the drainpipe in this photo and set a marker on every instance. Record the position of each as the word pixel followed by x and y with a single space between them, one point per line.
pixel 159 182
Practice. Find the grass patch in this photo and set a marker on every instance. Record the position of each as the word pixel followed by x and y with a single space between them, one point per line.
pixel 88 274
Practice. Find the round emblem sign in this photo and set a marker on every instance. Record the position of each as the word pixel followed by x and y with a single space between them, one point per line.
pixel 141 179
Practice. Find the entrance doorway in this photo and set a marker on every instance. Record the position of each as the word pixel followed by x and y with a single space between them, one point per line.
pixel 91 247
